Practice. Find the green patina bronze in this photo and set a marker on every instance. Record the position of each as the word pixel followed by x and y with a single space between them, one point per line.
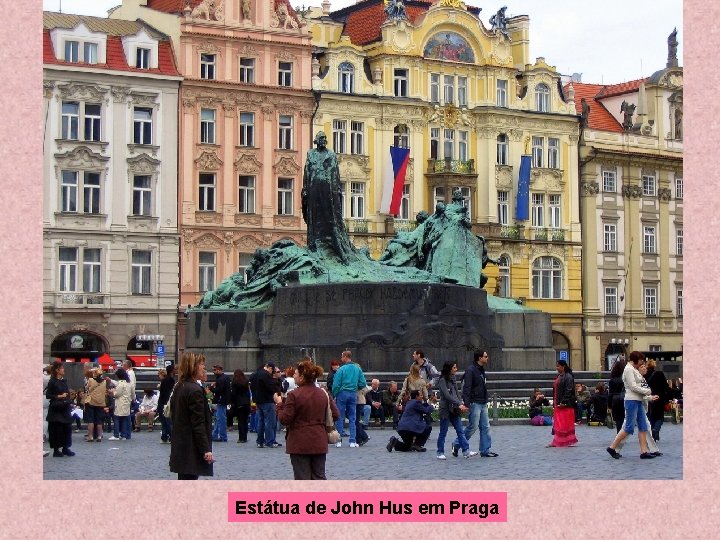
pixel 442 249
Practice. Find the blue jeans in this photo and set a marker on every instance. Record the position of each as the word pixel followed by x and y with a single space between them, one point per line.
pixel 121 426
pixel 457 424
pixel 634 414
pixel 360 432
pixel 166 427
pixel 219 432
pixel 367 409
pixel 253 422
pixel 478 419
pixel 346 402
pixel 265 423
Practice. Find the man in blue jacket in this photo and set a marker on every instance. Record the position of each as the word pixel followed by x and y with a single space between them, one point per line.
pixel 475 398
pixel 413 428
pixel 347 381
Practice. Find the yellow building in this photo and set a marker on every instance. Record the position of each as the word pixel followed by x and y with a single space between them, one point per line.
pixel 632 210
pixel 468 103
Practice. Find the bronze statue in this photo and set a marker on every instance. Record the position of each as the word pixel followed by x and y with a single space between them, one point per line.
pixel 628 109
pixel 585 114
pixel 499 22
pixel 395 9
pixel 321 207
pixel 672 42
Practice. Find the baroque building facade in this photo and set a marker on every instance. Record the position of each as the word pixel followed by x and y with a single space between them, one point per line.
pixel 468 103
pixel 110 233
pixel 631 172
pixel 245 126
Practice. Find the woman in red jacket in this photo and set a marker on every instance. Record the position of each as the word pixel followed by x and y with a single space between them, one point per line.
pixel 304 414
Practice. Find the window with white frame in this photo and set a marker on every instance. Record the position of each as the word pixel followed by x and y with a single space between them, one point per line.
pixel 285 73
pixel 285 132
pixel 247 70
pixel 448 89
pixel 655 348
pixel 553 153
pixel 142 125
pixel 609 237
pixel 356 138
pixel 401 136
pixel 463 141
pixel 679 303
pixel 346 78
pixel 142 58
pixel 206 270
pixel 648 185
pixel 611 301
pixel 678 188
pixel 538 149
pixel 554 216
pixel 679 241
pixel 547 278
pixel 448 143
pixel 285 196
pixel 357 200
pixel 651 301
pixel 400 82
pixel 649 239
pixel 504 274
pixel 405 203
pixel 90 51
pixel 434 88
pixel 434 143
pixel 537 210
pixel 206 194
pixel 339 136
pixel 80 190
pixel 609 181
pixel 142 195
pixel 244 260
pixel 246 195
pixel 503 149
pixel 501 93
pixel 207 126
pixel 503 207
pixel 76 114
pixel 462 92
pixel 247 129
pixel 70 280
pixel 140 272
pixel 542 98
pixel 438 195
pixel 72 51
pixel 207 66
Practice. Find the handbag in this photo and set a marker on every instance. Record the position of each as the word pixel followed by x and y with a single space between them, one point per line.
pixel 167 411
pixel 332 432
pixel 609 423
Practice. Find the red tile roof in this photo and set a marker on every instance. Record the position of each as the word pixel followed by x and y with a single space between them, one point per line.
pixel 170 6
pixel 600 117
pixel 620 89
pixel 115 57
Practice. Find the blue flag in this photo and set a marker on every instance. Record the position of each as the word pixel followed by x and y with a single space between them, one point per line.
pixel 522 203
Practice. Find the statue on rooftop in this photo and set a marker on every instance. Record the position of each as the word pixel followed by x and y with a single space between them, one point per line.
pixel 499 22
pixel 672 42
pixel 395 9
pixel 585 114
pixel 628 109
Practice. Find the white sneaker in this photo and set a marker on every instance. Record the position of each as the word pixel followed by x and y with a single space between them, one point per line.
pixel 441 456
pixel 338 444
pixel 469 454
pixel 354 445
pixel 114 438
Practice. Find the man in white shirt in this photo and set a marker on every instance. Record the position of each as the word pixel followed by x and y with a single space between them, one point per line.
pixel 148 408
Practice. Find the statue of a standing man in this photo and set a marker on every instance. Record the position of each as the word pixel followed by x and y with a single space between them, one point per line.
pixel 672 41
pixel 321 207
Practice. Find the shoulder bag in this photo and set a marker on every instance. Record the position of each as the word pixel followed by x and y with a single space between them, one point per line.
pixel 332 432
pixel 167 411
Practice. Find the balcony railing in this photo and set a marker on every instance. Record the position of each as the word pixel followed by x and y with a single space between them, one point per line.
pixel 551 234
pixel 356 225
pixel 404 225
pixel 68 299
pixel 451 166
pixel 510 231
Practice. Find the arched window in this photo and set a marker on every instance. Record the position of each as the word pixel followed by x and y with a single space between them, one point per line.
pixel 542 98
pixel 504 276
pixel 547 278
pixel 502 149
pixel 346 78
pixel 401 137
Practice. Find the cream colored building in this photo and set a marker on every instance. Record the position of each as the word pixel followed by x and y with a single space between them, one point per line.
pixel 632 213
pixel 468 102
pixel 110 232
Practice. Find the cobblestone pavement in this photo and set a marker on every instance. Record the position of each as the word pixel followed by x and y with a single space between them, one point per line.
pixel 521 449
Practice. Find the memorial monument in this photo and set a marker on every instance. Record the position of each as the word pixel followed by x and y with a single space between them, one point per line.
pixel 424 292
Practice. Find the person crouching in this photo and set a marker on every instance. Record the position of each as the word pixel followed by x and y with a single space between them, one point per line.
pixel 412 428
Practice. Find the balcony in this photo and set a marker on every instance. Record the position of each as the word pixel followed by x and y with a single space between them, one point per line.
pixel 77 299
pixel 548 234
pixel 453 166
pixel 404 225
pixel 510 231
pixel 357 225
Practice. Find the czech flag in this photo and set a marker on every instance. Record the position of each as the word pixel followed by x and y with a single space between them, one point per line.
pixel 522 205
pixel 394 180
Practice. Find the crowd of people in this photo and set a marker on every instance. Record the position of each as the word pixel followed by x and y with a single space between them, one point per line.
pixel 194 414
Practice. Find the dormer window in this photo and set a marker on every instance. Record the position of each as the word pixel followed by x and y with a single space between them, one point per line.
pixel 142 58
pixel 72 50
pixel 346 76
pixel 91 53
pixel 542 98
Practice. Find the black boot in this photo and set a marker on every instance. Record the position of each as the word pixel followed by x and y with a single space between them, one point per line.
pixel 67 452
pixel 57 453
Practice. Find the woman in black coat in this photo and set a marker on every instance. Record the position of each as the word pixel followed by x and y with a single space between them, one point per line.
pixel 240 402
pixel 616 394
pixel 191 447
pixel 58 416
pixel 659 387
